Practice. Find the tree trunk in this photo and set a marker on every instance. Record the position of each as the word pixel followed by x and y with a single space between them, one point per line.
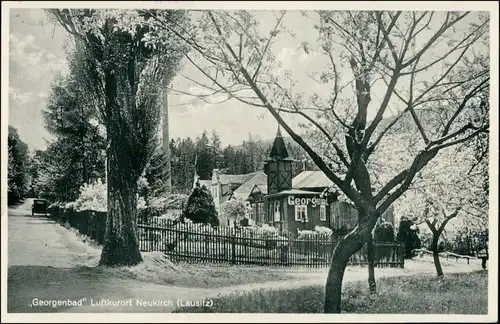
pixel 435 256
pixel 121 246
pixel 346 247
pixel 371 265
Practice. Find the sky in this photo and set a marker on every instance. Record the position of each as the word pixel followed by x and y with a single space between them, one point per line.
pixel 37 55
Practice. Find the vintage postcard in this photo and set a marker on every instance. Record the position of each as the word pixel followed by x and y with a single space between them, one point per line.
pixel 249 161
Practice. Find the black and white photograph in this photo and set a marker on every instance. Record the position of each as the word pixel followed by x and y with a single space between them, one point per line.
pixel 329 161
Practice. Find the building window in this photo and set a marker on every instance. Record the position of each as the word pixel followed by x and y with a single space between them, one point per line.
pixel 301 213
pixel 322 213
pixel 262 212
pixel 277 217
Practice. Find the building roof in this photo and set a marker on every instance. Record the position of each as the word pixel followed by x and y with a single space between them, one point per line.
pixel 224 198
pixel 243 192
pixel 278 150
pixel 206 183
pixel 260 188
pixel 311 179
pixel 232 178
pixel 295 192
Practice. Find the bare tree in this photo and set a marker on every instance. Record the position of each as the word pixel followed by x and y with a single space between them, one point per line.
pixel 411 58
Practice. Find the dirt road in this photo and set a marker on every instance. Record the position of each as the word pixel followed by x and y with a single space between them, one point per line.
pixel 47 263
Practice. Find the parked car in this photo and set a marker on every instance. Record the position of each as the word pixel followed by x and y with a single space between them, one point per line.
pixel 39 206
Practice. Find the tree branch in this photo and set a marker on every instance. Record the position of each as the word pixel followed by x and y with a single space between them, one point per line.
pixel 456 47
pixel 347 189
pixel 420 161
pixel 483 129
pixel 272 34
pixel 390 185
pixel 447 219
pixel 372 147
pixel 386 36
pixel 381 110
pixel 452 135
pixel 297 110
pixel 412 110
pixel 411 30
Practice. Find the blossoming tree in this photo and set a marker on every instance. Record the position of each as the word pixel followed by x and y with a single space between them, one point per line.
pixel 450 190
pixel 234 210
pixel 410 59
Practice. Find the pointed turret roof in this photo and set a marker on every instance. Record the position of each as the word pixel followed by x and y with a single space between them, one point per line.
pixel 278 150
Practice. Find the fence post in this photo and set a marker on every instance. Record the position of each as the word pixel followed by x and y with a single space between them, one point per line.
pixel 233 248
pixel 402 255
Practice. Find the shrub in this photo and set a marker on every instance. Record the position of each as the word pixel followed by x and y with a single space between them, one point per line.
pixel 158 206
pixel 468 241
pixel 200 207
pixel 94 197
pixel 234 209
pixel 307 235
pixel 189 231
pixel 383 232
pixel 408 234
pixel 425 237
pixel 323 231
pixel 259 235
pixel 319 233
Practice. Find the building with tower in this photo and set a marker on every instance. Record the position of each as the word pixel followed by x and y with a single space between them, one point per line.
pixel 276 198
pixel 290 203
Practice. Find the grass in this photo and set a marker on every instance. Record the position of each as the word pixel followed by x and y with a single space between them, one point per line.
pixel 81 237
pixel 159 269
pixel 465 293
pixel 156 268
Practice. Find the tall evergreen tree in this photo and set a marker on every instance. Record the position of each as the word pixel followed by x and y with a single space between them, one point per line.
pixel 216 149
pixel 205 163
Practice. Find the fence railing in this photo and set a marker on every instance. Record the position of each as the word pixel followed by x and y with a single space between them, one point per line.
pixel 447 255
pixel 195 243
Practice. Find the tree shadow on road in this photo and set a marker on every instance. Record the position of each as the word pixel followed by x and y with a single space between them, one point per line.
pixel 36 219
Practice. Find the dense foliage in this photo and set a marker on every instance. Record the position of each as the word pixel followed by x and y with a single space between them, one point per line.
pixel 234 210
pixel 319 233
pixel 18 176
pixel 246 157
